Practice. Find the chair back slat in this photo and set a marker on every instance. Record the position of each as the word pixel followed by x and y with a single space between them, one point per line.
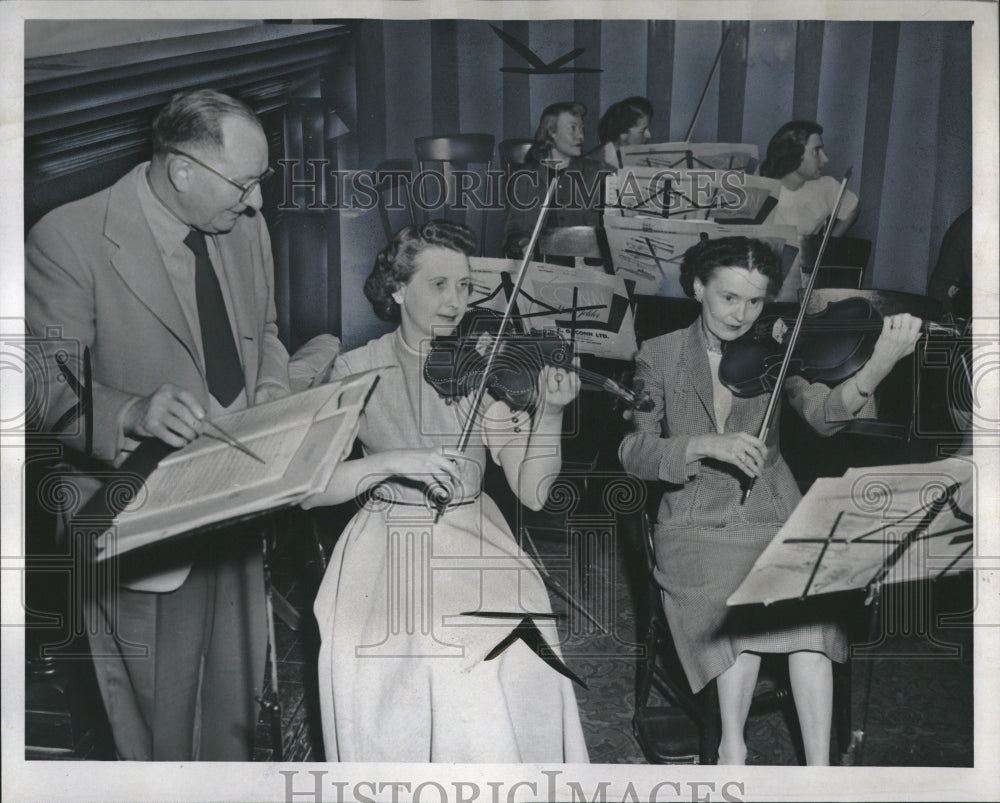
pixel 448 154
pixel 454 148
pixel 570 241
pixel 395 178
pixel 513 153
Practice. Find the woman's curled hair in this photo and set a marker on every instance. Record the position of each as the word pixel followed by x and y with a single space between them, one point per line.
pixel 701 261
pixel 787 147
pixel 544 134
pixel 394 265
pixel 621 116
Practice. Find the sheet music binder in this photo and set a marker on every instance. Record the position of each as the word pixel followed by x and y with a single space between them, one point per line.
pixel 163 493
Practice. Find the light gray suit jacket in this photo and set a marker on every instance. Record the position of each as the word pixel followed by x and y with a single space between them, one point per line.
pixel 94 276
pixel 705 495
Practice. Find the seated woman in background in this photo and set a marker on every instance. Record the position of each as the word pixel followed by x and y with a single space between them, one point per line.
pixel 555 152
pixel 624 123
pixel 407 670
pixel 795 157
pixel 699 440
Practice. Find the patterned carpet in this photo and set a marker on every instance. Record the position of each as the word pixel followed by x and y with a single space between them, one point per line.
pixel 919 713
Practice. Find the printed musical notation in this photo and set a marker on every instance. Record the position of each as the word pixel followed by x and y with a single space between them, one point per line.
pixel 602 321
pixel 725 195
pixel 300 438
pixel 649 250
pixel 879 524
pixel 692 155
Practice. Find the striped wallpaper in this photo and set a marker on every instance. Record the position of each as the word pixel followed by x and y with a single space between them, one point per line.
pixel 894 99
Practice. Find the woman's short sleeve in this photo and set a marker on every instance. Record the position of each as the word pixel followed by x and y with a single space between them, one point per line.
pixel 503 427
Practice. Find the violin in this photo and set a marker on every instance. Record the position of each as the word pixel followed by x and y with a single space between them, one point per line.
pixel 835 343
pixel 457 364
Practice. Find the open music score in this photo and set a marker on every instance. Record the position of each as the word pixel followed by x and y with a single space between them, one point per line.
pixel 728 196
pixel 693 155
pixel 881 524
pixel 603 324
pixel 301 439
pixel 649 250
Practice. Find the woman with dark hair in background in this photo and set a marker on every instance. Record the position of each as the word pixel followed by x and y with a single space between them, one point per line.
pixel 555 152
pixel 795 157
pixel 698 441
pixel 624 123
pixel 408 672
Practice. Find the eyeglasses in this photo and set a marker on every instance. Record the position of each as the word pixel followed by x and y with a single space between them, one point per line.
pixel 246 190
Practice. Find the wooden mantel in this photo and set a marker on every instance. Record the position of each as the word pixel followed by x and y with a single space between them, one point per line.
pixel 87 114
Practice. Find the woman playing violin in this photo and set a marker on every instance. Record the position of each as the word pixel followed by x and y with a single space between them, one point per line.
pixel 413 666
pixel 698 440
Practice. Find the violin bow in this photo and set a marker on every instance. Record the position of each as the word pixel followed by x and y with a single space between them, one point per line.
pixel 704 91
pixel 443 497
pixel 508 312
pixel 701 100
pixel 772 404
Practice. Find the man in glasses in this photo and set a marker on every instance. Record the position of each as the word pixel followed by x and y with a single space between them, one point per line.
pixel 167 277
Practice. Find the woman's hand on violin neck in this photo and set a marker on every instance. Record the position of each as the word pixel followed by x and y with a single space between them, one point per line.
pixel 557 387
pixel 898 338
pixel 741 449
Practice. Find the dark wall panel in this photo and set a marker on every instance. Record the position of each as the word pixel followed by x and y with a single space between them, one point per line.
pixel 808 62
pixel 953 179
pixel 480 57
pixel 369 63
pixel 660 75
pixel 549 40
pixel 445 99
pixel 516 89
pixel 732 81
pixel 878 117
pixel 900 257
pixel 587 86
pixel 623 58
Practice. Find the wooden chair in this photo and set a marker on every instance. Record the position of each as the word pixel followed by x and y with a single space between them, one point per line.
pixel 395 178
pixel 843 264
pixel 687 731
pixel 513 153
pixel 448 154
pixel 665 732
pixel 584 245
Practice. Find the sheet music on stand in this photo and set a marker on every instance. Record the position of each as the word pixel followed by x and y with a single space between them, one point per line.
pixel 691 155
pixel 604 324
pixel 301 439
pixel 876 525
pixel 649 250
pixel 731 196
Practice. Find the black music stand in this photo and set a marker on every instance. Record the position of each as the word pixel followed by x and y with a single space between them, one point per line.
pixel 869 528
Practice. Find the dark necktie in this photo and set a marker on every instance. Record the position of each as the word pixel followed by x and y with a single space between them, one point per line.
pixel 222 362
